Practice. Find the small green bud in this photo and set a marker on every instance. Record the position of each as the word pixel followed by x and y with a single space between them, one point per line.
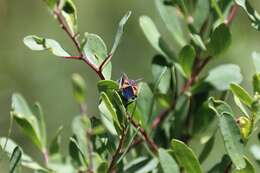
pixel 245 126
pixel 79 88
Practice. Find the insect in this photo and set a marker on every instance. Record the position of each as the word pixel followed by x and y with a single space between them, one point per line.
pixel 128 88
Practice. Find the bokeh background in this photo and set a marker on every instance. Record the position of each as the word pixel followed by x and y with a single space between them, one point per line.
pixel 40 76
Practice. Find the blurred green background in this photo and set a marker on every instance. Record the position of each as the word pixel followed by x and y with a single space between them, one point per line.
pixel 40 76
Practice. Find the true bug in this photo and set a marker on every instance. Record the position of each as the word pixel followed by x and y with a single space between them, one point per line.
pixel 128 88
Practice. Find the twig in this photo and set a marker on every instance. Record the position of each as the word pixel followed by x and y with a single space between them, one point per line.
pixel 119 148
pixel 147 139
pixel 232 14
pixel 45 156
pixel 74 38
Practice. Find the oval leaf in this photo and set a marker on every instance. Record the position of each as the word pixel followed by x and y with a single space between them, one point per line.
pixel 167 162
pixel 233 140
pixel 38 43
pixel 185 156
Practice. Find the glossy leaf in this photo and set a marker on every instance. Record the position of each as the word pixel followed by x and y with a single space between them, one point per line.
pixel 120 31
pixel 76 153
pixel 232 139
pixel 253 15
pixel 185 156
pixel 51 3
pixel 26 120
pixel 242 94
pixel 186 59
pixel 198 41
pixel 107 118
pixel 167 162
pixel 41 121
pixel 151 32
pixel 36 43
pixel 79 88
pixel 15 160
pixel 220 40
pixel 110 108
pixel 222 76
pixel 56 142
pixel 172 21
pixel 95 51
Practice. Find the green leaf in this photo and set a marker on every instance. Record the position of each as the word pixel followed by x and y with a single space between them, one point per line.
pixel 222 76
pixel 107 86
pixel 171 20
pixel 252 14
pixel 54 147
pixel 220 40
pixel 185 156
pixel 120 31
pixel 256 61
pixel 256 83
pixel 135 164
pixel 79 88
pixel 242 94
pixel 144 103
pixel 26 161
pixel 180 112
pixel 15 159
pixel 80 127
pixel 95 51
pixel 220 107
pixel 36 43
pixel 232 139
pixel 202 9
pixel 198 41
pixel 107 118
pixel 150 166
pixel 248 169
pixel 42 125
pixel 221 166
pixel 161 74
pixel 167 162
pixel 207 149
pixel 110 108
pixel 186 59
pixel 69 13
pixel 26 120
pixel 76 153
pixel 151 32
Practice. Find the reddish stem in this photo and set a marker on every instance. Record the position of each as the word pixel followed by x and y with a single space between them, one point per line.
pixel 119 148
pixel 232 14
pixel 149 141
